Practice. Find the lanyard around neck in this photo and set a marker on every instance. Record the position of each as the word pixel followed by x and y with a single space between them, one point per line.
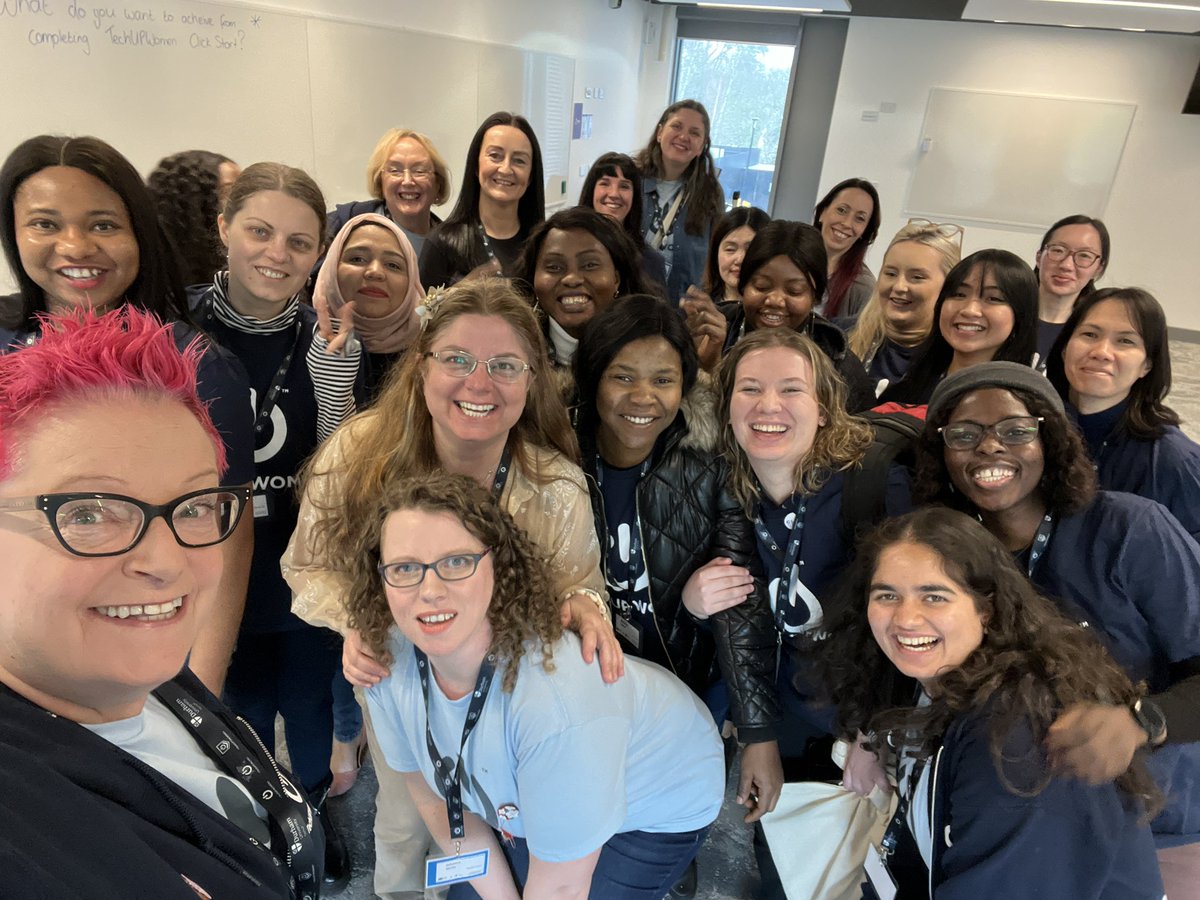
pixel 449 781
pixel 789 557
pixel 290 815
pixel 1041 542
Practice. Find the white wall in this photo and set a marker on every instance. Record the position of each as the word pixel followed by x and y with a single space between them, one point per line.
pixel 1153 212
pixel 606 45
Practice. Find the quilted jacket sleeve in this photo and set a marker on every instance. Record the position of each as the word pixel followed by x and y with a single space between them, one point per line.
pixel 745 634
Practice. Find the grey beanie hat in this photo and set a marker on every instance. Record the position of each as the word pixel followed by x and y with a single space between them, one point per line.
pixel 991 375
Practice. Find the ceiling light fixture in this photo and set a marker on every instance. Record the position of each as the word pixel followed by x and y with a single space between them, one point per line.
pixel 1184 7
pixel 759 7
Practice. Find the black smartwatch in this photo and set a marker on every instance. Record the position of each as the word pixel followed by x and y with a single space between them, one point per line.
pixel 1150 717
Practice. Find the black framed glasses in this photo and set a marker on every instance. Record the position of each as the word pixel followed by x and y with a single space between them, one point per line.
pixel 410 573
pixel 1084 259
pixel 460 364
pixel 1010 432
pixel 99 524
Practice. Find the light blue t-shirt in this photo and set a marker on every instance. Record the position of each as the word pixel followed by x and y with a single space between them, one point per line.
pixel 568 759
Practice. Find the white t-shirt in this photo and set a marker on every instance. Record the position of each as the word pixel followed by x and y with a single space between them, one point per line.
pixel 570 760
pixel 162 742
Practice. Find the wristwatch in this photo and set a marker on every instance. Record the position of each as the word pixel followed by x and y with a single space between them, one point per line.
pixel 1150 716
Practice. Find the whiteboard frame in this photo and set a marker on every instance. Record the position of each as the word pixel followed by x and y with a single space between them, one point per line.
pixel 933 212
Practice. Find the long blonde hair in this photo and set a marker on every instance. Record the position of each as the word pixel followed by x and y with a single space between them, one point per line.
pixel 839 444
pixel 870 330
pixel 394 438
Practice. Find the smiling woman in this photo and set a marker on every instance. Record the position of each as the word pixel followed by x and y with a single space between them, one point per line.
pixel 371 264
pixel 575 265
pixel 80 231
pixel 305 380
pixel 685 585
pixel 95 694
pixel 848 217
pixel 1112 365
pixel 935 610
pixel 501 200
pixel 986 310
pixel 998 444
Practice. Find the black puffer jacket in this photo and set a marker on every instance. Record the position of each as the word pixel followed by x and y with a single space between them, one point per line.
pixel 688 517
pixel 860 392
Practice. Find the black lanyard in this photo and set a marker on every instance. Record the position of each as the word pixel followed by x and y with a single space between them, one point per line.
pixel 502 472
pixel 451 782
pixel 899 822
pixel 790 558
pixel 290 817
pixel 268 401
pixel 1041 542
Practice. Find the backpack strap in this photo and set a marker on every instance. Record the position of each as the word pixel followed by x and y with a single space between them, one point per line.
pixel 864 493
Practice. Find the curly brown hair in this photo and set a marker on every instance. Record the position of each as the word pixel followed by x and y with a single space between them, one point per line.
pixel 1032 664
pixel 523 605
pixel 1068 482
pixel 839 444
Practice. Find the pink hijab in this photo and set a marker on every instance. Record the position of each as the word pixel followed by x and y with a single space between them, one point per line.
pixel 387 334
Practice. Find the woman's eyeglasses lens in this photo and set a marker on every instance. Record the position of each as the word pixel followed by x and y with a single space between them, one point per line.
pixel 103 524
pixel 504 369
pixel 448 568
pixel 1010 432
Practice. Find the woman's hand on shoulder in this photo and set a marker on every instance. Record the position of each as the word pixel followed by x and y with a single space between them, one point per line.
pixel 716 586
pixel 1094 742
pixel 359 666
pixel 581 615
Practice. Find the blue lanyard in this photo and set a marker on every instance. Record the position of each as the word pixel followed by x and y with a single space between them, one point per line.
pixel 502 472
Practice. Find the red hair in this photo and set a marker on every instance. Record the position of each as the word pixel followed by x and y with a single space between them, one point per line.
pixel 86 354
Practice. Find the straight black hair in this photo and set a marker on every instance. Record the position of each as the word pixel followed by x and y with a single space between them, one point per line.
pixel 1020 288
pixel 158 287
pixel 1146 415
pixel 797 241
pixel 740 216
pixel 1105 246
pixel 618 165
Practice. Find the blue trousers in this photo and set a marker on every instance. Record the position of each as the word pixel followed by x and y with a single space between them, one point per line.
pixel 347 714
pixel 636 865
pixel 289 673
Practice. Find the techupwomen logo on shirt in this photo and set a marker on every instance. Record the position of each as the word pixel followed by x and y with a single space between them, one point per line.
pixel 278 434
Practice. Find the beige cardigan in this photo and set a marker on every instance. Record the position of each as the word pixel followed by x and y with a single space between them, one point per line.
pixel 556 515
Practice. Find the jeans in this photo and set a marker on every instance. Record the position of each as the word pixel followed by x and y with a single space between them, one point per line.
pixel 634 865
pixel 289 673
pixel 347 715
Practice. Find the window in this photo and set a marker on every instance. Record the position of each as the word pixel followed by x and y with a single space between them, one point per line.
pixel 744 88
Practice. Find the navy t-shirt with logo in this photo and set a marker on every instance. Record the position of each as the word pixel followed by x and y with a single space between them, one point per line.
pixel 628 582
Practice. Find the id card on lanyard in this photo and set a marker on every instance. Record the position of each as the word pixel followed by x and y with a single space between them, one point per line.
pixel 444 870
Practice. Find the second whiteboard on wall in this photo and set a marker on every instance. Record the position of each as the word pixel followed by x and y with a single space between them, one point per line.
pixel 1016 159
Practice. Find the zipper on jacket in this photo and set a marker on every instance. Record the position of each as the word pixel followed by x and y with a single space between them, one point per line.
pixel 937 761
pixel 637 511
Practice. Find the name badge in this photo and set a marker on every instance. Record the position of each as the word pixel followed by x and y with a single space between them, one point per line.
pixel 443 870
pixel 879 876
pixel 629 631
pixel 262 508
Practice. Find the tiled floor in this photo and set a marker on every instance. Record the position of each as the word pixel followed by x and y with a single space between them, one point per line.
pixel 727 868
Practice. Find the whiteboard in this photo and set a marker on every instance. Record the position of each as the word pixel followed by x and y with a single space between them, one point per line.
pixel 1016 159
pixel 153 77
